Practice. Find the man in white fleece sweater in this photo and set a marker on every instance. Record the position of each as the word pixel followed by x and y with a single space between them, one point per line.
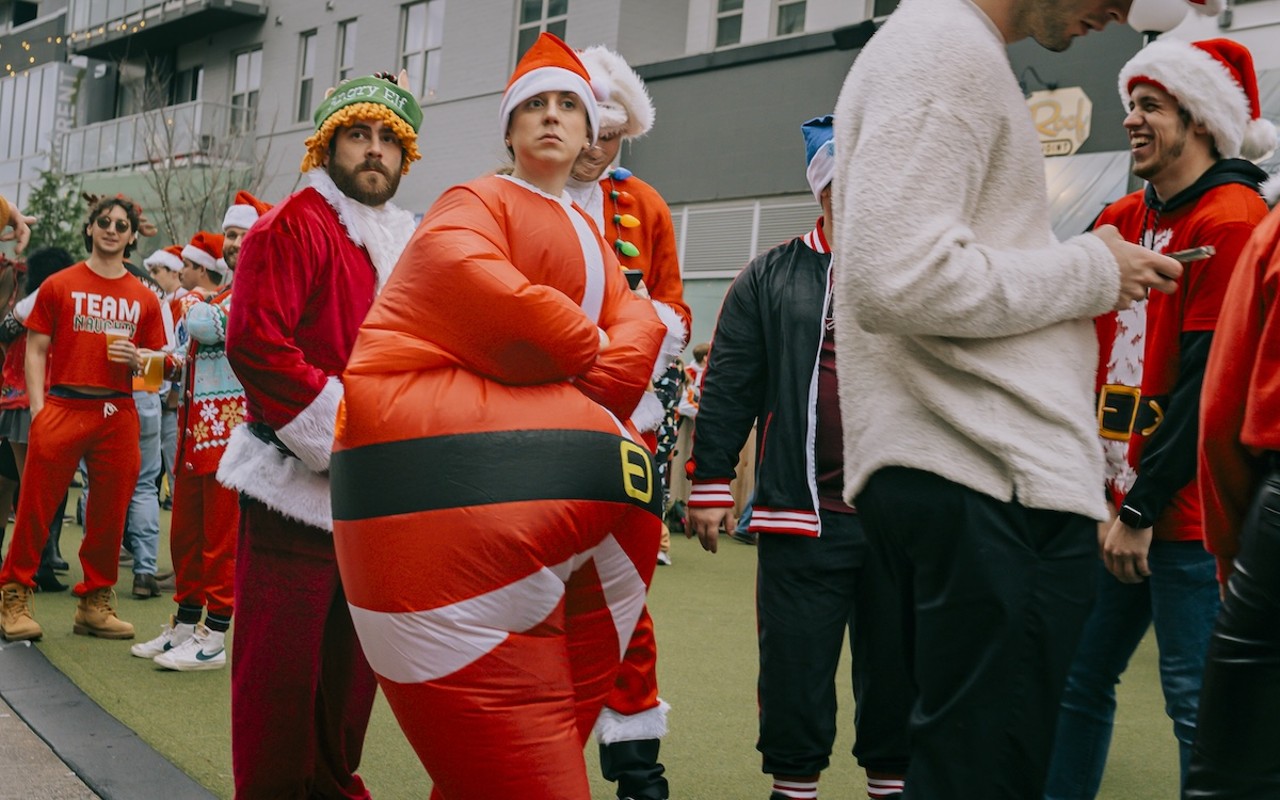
pixel 966 356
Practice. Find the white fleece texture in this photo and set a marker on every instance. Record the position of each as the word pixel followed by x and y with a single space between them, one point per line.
pixel 310 434
pixel 613 727
pixel 382 232
pixel 965 345
pixel 282 483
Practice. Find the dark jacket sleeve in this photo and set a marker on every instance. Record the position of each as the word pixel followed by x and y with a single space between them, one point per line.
pixel 734 384
pixel 1169 458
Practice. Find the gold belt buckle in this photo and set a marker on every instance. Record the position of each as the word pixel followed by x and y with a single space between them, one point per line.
pixel 1109 408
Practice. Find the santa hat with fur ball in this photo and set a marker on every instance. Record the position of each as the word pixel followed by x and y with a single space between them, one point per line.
pixel 626 109
pixel 1215 82
pixel 205 250
pixel 244 211
pixel 170 258
pixel 550 65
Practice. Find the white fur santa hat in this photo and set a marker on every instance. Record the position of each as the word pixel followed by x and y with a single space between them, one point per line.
pixel 1215 82
pixel 205 250
pixel 627 108
pixel 550 65
pixel 170 258
pixel 244 211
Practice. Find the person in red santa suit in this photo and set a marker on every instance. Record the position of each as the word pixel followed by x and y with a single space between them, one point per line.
pixel 635 221
pixel 1193 139
pixel 496 591
pixel 1234 756
pixel 308 272
pixel 206 514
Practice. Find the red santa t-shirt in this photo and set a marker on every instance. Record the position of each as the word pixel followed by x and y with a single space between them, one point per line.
pixel 76 307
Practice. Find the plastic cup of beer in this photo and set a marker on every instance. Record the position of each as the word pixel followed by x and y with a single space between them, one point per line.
pixel 116 335
pixel 152 370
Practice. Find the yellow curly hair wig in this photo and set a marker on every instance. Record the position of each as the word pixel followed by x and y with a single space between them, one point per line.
pixel 318 143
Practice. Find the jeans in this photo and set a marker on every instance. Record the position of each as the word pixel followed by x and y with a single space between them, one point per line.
pixel 1181 598
pixel 169 442
pixel 1235 755
pixel 142 526
pixel 994 596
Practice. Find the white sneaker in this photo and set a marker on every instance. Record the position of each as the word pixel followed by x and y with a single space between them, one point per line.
pixel 171 635
pixel 664 559
pixel 204 650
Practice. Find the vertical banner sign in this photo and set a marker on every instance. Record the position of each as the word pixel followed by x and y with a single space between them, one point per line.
pixel 1062 119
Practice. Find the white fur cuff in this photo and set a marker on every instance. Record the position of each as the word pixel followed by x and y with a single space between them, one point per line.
pixel 673 342
pixel 282 483
pixel 649 414
pixel 310 434
pixel 649 724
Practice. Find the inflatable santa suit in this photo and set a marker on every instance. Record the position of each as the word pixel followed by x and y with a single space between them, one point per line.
pixel 495 517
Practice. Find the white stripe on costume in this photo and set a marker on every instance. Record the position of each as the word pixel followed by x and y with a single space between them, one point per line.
pixel 710 493
pixel 421 646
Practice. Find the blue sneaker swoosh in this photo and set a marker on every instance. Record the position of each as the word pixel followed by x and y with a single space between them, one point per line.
pixel 200 656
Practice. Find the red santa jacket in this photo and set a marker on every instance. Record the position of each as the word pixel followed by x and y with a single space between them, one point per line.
pixel 307 275
pixel 1155 431
pixel 1240 404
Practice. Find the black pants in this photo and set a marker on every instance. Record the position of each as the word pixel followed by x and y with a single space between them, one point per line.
pixel 809 591
pixel 1237 749
pixel 995 596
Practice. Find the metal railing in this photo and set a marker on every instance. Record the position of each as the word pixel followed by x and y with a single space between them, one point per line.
pixel 189 132
pixel 99 16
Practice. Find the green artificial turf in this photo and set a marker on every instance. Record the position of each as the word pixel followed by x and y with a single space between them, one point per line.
pixel 705 622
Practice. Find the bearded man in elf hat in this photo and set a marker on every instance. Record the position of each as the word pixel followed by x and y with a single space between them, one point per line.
pixel 634 220
pixel 308 272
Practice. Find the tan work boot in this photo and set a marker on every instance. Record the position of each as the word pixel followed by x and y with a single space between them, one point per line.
pixel 96 617
pixel 16 622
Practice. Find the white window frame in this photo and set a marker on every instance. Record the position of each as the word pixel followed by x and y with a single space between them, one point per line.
pixel 424 79
pixel 348 34
pixel 306 74
pixel 722 16
pixel 779 6
pixel 546 21
pixel 245 94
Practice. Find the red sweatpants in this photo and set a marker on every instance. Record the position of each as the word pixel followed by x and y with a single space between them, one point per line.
pixel 301 689
pixel 104 432
pixel 202 539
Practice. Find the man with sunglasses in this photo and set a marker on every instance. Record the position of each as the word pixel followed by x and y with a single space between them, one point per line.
pixel 85 331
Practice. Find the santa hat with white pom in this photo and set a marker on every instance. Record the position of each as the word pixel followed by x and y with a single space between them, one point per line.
pixel 1214 81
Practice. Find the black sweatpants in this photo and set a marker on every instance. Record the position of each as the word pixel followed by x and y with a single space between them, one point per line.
pixel 995 596
pixel 809 591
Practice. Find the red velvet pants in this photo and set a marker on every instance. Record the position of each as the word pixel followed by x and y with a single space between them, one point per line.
pixel 301 689
pixel 202 539
pixel 104 432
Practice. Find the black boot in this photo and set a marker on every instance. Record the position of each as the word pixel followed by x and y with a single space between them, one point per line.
pixel 46 581
pixel 635 768
pixel 53 548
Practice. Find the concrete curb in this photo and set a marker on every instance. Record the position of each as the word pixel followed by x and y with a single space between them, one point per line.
pixel 110 758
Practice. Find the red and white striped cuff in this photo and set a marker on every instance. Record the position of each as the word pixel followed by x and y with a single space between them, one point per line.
pixel 774 520
pixel 711 494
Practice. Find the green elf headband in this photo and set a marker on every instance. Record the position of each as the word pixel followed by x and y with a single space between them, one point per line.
pixel 371 98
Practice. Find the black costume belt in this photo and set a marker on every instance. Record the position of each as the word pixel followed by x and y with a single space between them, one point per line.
pixel 267 434
pixel 1123 410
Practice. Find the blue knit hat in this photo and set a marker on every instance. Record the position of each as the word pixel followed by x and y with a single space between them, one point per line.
pixel 819 152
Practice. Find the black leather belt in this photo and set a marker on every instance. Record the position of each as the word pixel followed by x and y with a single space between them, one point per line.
pixel 267 434
pixel 1123 410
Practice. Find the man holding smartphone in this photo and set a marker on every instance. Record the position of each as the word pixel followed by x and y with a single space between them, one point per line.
pixel 1193 124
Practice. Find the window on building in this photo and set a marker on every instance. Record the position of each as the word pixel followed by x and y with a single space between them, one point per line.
pixel 537 16
pixel 187 85
pixel 423 25
pixel 346 49
pixel 790 17
pixel 728 22
pixel 306 74
pixel 246 83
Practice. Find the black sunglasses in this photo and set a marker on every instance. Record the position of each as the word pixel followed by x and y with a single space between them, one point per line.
pixel 122 225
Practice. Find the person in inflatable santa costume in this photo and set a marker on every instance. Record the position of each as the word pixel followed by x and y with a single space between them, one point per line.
pixel 495 515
